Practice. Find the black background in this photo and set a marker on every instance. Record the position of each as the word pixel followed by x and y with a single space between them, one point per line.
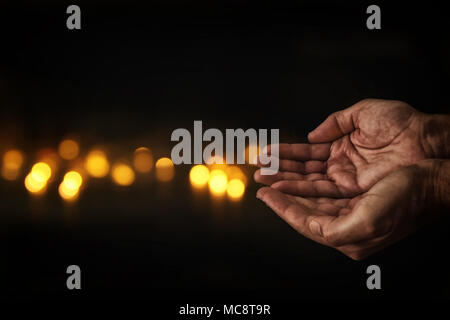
pixel 133 74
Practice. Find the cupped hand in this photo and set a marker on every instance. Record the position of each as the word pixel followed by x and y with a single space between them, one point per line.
pixel 351 150
pixel 361 225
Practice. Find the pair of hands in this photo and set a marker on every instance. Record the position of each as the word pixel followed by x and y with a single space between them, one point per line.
pixel 363 181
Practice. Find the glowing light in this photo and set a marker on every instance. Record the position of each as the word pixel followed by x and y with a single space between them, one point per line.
pixel 41 171
pixel 199 176
pixel 68 149
pixel 12 163
pixel 66 192
pixel 235 189
pixel 234 172
pixel 164 169
pixel 34 185
pixel 97 164
pixel 123 175
pixel 70 186
pixel 218 182
pixel 72 180
pixel 143 160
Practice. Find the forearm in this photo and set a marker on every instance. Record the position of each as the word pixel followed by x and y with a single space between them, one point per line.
pixel 436 135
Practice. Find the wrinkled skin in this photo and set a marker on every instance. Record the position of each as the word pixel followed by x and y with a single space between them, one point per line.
pixel 363 181
pixel 359 226
pixel 351 150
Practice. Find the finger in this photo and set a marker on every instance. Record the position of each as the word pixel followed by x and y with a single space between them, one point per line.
pixel 301 151
pixel 297 166
pixel 295 214
pixel 336 125
pixel 317 188
pixel 284 175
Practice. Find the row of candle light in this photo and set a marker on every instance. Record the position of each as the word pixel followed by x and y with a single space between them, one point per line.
pixel 220 179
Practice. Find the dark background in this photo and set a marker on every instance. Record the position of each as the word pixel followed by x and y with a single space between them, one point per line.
pixel 136 72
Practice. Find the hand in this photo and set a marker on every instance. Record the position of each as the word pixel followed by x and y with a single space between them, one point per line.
pixel 355 148
pixel 393 208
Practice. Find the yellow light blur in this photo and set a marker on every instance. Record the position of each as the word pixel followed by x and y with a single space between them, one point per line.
pixel 143 160
pixel 34 185
pixel 235 189
pixel 97 164
pixel 70 186
pixel 199 176
pixel 164 169
pixel 218 182
pixel 41 171
pixel 72 180
pixel 12 163
pixel 13 160
pixel 68 149
pixel 122 175
pixel 66 192
pixel 234 172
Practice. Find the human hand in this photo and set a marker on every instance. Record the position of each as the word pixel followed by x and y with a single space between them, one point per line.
pixel 394 207
pixel 355 148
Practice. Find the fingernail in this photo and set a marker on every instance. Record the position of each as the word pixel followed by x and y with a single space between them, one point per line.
pixel 315 228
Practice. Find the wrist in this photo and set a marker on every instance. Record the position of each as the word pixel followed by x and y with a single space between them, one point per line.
pixel 435 135
pixel 436 184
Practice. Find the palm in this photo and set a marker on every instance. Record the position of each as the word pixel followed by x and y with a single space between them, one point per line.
pixel 356 226
pixel 358 147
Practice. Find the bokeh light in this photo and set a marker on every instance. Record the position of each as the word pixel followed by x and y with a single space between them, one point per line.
pixel 235 189
pixel 165 170
pixel 36 180
pixel 68 149
pixel 34 185
pixel 97 164
pixel 122 174
pixel 73 180
pixel 143 160
pixel 234 172
pixel 41 171
pixel 67 193
pixel 12 163
pixel 70 186
pixel 199 176
pixel 218 182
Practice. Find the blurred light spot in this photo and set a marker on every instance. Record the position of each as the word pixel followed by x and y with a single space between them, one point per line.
pixel 199 176
pixel 68 149
pixel 66 192
pixel 12 163
pixel 73 180
pixel 217 182
pixel 235 189
pixel 34 185
pixel 143 160
pixel 70 186
pixel 164 169
pixel 41 171
pixel 122 175
pixel 234 172
pixel 97 164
